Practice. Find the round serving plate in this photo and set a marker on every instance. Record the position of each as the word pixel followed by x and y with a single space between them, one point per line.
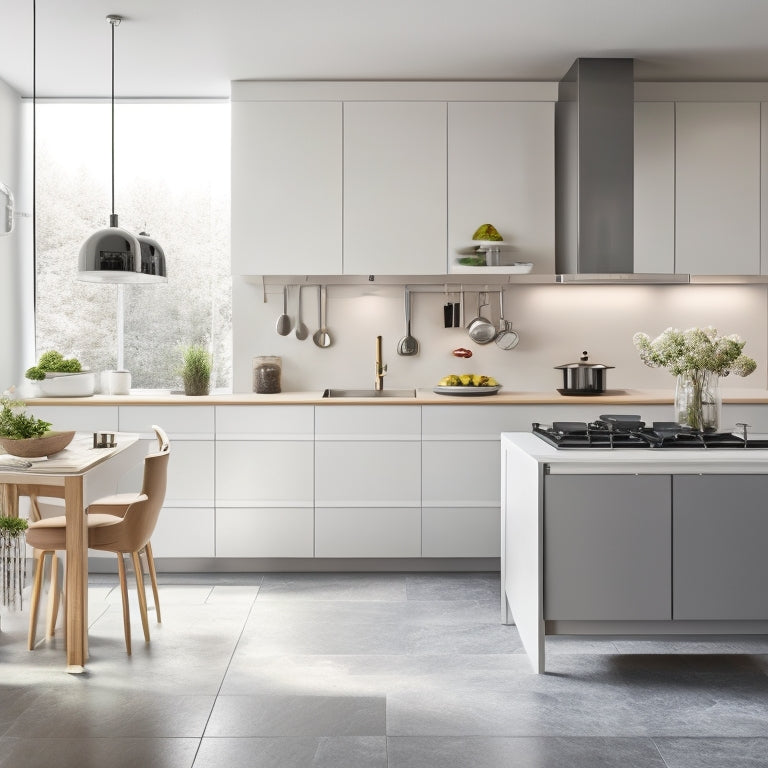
pixel 467 391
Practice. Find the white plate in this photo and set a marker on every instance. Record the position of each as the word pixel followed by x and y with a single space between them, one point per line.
pixel 466 391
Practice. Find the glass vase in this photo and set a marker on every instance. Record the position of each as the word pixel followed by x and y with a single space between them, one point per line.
pixel 698 403
pixel 13 569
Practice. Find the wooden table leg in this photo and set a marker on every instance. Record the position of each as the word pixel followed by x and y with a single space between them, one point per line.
pixel 10 499
pixel 77 575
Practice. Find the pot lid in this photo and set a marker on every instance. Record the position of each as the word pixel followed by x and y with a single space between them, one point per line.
pixel 584 363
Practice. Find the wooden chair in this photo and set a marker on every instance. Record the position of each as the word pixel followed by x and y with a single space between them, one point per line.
pixel 122 524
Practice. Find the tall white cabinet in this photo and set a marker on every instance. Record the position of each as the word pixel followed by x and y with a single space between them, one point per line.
pixel 286 187
pixel 698 178
pixel 501 171
pixel 394 187
pixel 717 188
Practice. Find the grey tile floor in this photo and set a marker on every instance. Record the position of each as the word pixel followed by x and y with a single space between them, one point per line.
pixel 368 671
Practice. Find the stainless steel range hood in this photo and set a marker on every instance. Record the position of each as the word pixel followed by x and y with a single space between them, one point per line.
pixel 594 175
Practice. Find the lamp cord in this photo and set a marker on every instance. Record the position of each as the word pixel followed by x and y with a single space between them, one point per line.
pixel 34 161
pixel 113 25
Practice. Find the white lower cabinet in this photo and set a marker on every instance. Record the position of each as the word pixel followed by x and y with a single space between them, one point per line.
pixel 184 532
pixel 460 531
pixel 264 481
pixel 368 481
pixel 461 478
pixel 185 528
pixel 367 531
pixel 265 532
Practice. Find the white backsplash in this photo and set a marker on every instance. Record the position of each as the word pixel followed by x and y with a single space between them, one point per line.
pixel 555 322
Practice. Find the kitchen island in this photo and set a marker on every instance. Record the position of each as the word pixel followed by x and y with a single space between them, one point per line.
pixel 631 541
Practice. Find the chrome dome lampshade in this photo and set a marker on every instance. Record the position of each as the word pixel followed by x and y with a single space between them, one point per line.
pixel 113 254
pixel 152 258
pixel 110 255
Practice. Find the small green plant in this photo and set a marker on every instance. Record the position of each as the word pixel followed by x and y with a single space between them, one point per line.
pixel 196 372
pixel 16 424
pixel 52 362
pixel 12 526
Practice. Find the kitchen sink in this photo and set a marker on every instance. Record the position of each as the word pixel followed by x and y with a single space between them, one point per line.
pixel 369 393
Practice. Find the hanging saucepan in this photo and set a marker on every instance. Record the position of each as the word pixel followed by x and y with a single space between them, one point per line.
pixel 481 330
pixel 583 378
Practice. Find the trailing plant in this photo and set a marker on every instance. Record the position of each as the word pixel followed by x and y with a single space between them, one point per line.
pixel 16 424
pixel 52 362
pixel 196 372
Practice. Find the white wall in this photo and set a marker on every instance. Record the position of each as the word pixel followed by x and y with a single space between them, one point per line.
pixel 11 279
pixel 555 322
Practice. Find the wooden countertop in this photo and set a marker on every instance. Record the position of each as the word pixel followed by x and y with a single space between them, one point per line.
pixel 423 397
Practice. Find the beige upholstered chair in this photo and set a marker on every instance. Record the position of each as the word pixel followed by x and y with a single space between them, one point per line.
pixel 121 524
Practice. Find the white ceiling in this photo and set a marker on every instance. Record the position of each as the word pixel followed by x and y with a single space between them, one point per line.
pixel 194 48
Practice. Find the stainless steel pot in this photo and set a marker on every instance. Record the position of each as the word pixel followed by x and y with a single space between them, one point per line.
pixel 583 378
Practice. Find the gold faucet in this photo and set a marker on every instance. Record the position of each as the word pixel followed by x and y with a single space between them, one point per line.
pixel 380 369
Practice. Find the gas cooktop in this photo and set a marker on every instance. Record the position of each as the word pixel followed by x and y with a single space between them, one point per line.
pixel 630 431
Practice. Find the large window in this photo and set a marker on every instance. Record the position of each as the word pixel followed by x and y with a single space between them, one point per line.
pixel 172 181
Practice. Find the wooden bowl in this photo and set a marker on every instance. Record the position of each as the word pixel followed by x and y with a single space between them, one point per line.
pixel 36 447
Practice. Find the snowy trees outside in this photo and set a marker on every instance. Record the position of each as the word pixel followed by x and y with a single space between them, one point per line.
pixel 172 181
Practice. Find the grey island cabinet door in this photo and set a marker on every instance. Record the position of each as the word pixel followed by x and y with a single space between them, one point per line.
pixel 720 535
pixel 607 547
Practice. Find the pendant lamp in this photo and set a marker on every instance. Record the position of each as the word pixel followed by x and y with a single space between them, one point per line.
pixel 113 254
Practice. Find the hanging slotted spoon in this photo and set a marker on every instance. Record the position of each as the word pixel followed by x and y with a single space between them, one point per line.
pixel 408 345
pixel 283 325
pixel 301 329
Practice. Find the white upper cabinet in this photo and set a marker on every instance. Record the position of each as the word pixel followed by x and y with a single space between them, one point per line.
pixel 286 187
pixel 501 171
pixel 655 187
pixel 394 187
pixel 717 192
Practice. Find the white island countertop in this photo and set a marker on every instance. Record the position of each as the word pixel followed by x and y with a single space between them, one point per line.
pixel 637 460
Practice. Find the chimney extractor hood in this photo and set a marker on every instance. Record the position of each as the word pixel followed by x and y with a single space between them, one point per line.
pixel 594 174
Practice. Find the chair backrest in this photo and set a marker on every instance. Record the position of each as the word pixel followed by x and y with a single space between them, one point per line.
pixel 139 521
pixel 163 443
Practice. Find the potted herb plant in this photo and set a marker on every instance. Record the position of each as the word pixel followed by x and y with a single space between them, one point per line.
pixel 196 372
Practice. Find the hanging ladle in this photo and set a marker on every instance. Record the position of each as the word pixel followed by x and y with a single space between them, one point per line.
pixel 321 337
pixel 283 325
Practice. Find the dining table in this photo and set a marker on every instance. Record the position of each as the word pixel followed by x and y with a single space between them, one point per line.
pixel 79 474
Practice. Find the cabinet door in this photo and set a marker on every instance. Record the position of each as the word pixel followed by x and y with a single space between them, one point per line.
pixel 717 197
pixel 264 473
pixel 720 534
pixel 367 532
pixel 501 170
pixel 394 188
pixel 368 473
pixel 607 547
pixel 286 188
pixel 91 418
pixel 265 532
pixel 655 187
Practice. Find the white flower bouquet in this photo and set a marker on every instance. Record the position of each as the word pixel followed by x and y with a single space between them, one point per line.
pixel 696 349
pixel 698 357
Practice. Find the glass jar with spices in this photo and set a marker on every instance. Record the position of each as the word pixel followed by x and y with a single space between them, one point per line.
pixel 266 374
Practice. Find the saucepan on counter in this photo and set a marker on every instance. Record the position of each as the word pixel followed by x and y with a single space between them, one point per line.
pixel 583 378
